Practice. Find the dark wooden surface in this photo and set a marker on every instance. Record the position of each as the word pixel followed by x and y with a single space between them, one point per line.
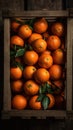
pixel 33 124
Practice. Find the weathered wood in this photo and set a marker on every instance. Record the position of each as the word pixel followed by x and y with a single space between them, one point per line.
pixel 69 63
pixel 7 91
pixel 12 4
pixel 38 13
pixel 41 114
pixel 44 4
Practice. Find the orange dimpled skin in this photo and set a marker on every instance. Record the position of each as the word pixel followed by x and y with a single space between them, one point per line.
pixel 25 31
pixel 56 72
pixel 34 37
pixel 39 45
pixel 30 57
pixel 16 40
pixel 28 72
pixel 40 25
pixel 45 61
pixel 41 75
pixel 19 102
pixel 31 87
pixel 16 86
pixel 34 104
pixel 52 101
pixel 53 42
pixel 15 73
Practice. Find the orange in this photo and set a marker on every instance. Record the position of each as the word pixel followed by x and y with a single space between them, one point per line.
pixel 60 102
pixel 57 86
pixel 45 61
pixel 33 37
pixel 25 31
pixel 30 57
pixel 34 104
pixel 58 56
pixel 19 102
pixel 16 86
pixel 58 29
pixel 45 35
pixel 15 24
pixel 52 101
pixel 28 72
pixel 40 25
pixel 53 42
pixel 15 73
pixel 39 45
pixel 31 87
pixel 56 72
pixel 41 75
pixel 47 52
pixel 16 40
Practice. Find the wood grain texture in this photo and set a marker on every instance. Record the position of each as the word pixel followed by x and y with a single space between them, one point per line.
pixel 44 4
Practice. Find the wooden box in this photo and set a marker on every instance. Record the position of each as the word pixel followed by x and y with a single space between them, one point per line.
pixel 7 112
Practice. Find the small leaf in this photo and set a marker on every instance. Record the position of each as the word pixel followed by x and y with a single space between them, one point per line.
pixel 40 97
pixel 12 53
pixel 45 102
pixel 20 52
pixel 48 86
pixel 19 65
pixel 42 89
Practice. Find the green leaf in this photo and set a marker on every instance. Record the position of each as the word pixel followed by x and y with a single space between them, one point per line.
pixel 40 97
pixel 20 52
pixel 48 86
pixel 12 53
pixel 45 102
pixel 42 89
pixel 19 65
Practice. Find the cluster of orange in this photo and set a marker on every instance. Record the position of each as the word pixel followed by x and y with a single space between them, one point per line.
pixel 40 50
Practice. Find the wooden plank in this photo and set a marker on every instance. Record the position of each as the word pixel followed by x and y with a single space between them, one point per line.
pixel 7 91
pixel 38 13
pixel 34 113
pixel 44 4
pixel 12 4
pixel 69 63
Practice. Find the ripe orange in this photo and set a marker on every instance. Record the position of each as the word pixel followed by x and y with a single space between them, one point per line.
pixel 57 86
pixel 16 40
pixel 47 52
pixel 28 72
pixel 15 73
pixel 45 35
pixel 45 61
pixel 58 29
pixel 41 75
pixel 19 102
pixel 52 101
pixel 60 102
pixel 58 56
pixel 33 37
pixel 16 86
pixel 56 72
pixel 31 87
pixel 39 45
pixel 30 57
pixel 15 24
pixel 40 25
pixel 25 31
pixel 34 104
pixel 53 42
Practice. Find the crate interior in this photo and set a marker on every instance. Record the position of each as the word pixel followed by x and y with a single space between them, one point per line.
pixel 50 20
pixel 55 110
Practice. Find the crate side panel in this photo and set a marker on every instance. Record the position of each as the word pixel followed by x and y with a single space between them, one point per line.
pixel 7 91
pixel 69 63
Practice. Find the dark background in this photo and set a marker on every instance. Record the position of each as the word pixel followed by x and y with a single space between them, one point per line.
pixel 30 124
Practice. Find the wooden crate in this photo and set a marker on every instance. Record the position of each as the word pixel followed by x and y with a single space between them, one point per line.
pixel 7 112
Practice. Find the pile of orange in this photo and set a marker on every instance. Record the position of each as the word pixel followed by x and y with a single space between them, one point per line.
pixel 37 64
